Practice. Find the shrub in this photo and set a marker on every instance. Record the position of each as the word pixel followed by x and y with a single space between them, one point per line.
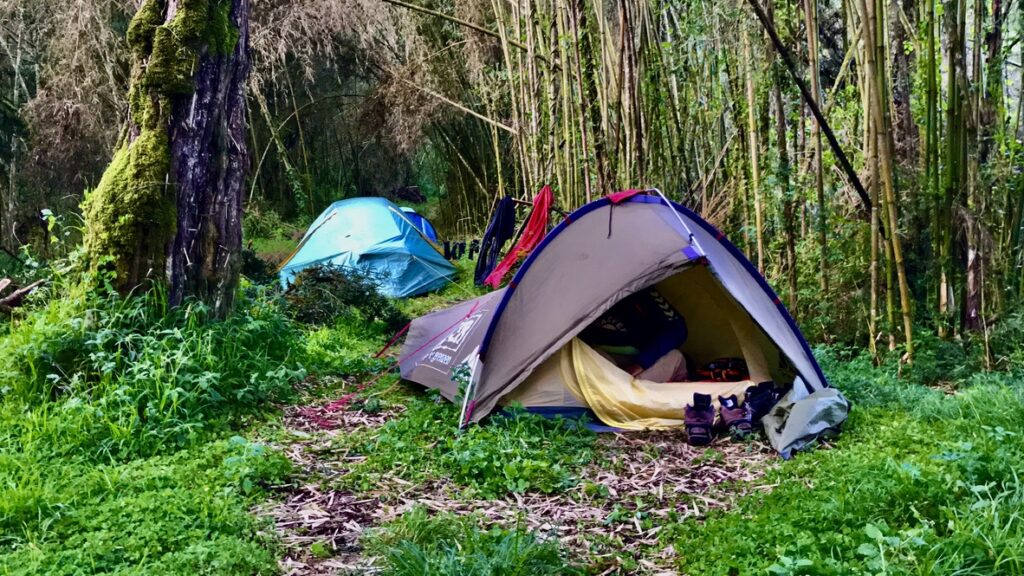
pixel 322 294
pixel 136 377
pixel 940 362
pixel 264 223
pixel 256 269
pixel 1005 341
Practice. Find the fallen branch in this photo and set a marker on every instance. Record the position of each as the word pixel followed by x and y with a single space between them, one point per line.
pixel 15 299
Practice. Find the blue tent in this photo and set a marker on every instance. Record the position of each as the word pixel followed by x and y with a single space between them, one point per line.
pixel 422 223
pixel 374 235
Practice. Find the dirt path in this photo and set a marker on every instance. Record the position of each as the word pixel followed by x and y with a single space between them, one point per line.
pixel 638 484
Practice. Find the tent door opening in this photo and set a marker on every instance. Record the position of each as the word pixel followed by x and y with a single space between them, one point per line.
pixel 639 364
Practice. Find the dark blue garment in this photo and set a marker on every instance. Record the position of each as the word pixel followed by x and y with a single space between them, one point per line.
pixel 500 230
pixel 644 321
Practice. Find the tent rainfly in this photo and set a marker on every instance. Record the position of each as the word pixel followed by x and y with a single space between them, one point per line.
pixel 374 235
pixel 521 345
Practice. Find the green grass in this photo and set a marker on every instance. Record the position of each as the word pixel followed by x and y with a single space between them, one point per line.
pixel 919 483
pixel 123 450
pixel 514 454
pixel 118 451
pixel 418 544
pixel 185 513
pixel 274 250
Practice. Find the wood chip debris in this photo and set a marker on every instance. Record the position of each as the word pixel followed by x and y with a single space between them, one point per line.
pixel 639 483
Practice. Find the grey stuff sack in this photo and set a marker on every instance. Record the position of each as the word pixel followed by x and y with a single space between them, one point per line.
pixel 799 418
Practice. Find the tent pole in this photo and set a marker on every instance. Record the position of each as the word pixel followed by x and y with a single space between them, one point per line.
pixel 692 240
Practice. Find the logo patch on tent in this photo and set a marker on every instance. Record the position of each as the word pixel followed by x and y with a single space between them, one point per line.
pixel 446 352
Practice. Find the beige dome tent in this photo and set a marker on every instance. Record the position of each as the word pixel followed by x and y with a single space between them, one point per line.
pixel 520 344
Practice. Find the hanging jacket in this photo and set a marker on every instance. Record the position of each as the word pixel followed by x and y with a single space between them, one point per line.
pixel 534 231
pixel 500 230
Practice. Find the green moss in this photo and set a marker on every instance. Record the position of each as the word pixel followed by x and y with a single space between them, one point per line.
pixel 222 34
pixel 171 63
pixel 143 25
pixel 132 210
pixel 197 26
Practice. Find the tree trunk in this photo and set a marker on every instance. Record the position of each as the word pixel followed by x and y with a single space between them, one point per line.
pixel 12 139
pixel 931 150
pixel 169 207
pixel 991 110
pixel 905 130
pixel 956 155
pixel 788 202
pixel 783 174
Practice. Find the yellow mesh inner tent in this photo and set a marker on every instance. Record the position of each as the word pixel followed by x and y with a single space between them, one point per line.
pixel 578 376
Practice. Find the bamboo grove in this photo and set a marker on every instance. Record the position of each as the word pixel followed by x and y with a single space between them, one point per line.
pixel 692 98
pixel 471 100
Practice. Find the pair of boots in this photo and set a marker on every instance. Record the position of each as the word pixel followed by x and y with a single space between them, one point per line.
pixel 735 418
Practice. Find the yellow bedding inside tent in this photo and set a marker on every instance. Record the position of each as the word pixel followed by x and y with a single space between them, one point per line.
pixel 630 403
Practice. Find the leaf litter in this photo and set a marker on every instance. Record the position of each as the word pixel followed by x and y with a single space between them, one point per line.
pixel 638 483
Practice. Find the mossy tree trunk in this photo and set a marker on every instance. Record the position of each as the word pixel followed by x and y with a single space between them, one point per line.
pixel 168 208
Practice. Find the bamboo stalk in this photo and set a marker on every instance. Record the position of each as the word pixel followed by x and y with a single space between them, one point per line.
pixel 755 171
pixel 459 106
pixel 811 19
pixel 844 162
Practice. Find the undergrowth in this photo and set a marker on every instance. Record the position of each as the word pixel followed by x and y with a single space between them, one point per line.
pixel 119 418
pixel 418 543
pixel 184 513
pixel 124 377
pixel 122 450
pixel 325 294
pixel 512 453
pixel 921 482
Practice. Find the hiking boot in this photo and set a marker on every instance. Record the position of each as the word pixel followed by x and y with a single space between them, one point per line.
pixel 735 418
pixel 699 420
pixel 761 399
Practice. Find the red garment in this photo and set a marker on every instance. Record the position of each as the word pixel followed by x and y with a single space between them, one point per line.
pixel 536 229
pixel 620 197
